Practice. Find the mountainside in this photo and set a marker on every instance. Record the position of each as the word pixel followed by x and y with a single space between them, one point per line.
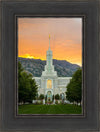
pixel 36 66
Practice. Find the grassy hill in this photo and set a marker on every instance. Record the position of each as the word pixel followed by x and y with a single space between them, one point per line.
pixel 36 66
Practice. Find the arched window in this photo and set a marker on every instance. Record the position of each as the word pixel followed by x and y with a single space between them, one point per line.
pixel 49 83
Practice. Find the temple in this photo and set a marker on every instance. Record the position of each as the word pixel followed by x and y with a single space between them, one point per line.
pixel 49 83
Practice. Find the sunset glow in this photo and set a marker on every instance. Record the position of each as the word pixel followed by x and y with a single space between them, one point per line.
pixel 29 56
pixel 65 38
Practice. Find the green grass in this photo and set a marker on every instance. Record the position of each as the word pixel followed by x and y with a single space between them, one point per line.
pixel 49 109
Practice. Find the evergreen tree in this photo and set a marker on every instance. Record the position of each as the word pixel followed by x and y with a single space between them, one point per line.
pixel 27 88
pixel 74 88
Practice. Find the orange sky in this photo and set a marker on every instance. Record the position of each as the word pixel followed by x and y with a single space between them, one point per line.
pixel 65 38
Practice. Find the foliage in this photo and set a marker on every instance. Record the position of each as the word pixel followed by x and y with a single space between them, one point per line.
pixel 50 102
pixel 74 88
pixel 27 88
pixel 56 102
pixel 53 97
pixel 37 96
pixel 46 98
pixel 57 96
pixel 41 96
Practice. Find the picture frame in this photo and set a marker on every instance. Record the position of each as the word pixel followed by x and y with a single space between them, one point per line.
pixel 8 60
pixel 82 17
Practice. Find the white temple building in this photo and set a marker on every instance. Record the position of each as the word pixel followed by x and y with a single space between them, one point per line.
pixel 49 83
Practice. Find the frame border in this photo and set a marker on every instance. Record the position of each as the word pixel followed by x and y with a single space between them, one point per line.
pixel 8 126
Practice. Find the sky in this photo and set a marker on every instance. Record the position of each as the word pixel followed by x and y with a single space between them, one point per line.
pixel 65 38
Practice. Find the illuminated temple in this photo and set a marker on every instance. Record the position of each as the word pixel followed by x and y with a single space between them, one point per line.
pixel 49 83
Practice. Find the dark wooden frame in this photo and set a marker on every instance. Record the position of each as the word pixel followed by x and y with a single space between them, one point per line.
pixel 8 118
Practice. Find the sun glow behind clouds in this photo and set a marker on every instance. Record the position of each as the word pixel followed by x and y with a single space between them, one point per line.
pixel 65 38
pixel 30 57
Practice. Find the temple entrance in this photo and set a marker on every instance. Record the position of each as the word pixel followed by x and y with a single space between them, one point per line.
pixel 49 96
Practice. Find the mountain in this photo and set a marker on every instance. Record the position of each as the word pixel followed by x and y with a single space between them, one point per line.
pixel 36 66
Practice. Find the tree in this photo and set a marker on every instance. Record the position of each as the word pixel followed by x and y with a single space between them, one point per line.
pixel 45 97
pixel 57 96
pixel 27 88
pixel 53 97
pixel 74 88
pixel 41 96
pixel 20 69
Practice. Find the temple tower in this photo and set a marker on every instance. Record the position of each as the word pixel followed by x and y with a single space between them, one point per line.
pixel 49 67
pixel 49 76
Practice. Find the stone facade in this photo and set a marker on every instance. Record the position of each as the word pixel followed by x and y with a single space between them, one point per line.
pixel 49 83
pixel 58 85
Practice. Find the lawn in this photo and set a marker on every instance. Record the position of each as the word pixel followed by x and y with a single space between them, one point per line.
pixel 49 109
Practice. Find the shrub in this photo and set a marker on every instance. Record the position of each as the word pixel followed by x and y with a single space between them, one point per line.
pixel 41 96
pixel 56 102
pixel 57 96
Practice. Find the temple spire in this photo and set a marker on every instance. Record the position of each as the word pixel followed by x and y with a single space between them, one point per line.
pixel 49 67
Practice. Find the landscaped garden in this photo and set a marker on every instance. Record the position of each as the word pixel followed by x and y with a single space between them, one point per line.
pixel 49 109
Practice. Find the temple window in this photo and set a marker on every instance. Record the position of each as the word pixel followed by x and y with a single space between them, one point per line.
pixel 49 83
